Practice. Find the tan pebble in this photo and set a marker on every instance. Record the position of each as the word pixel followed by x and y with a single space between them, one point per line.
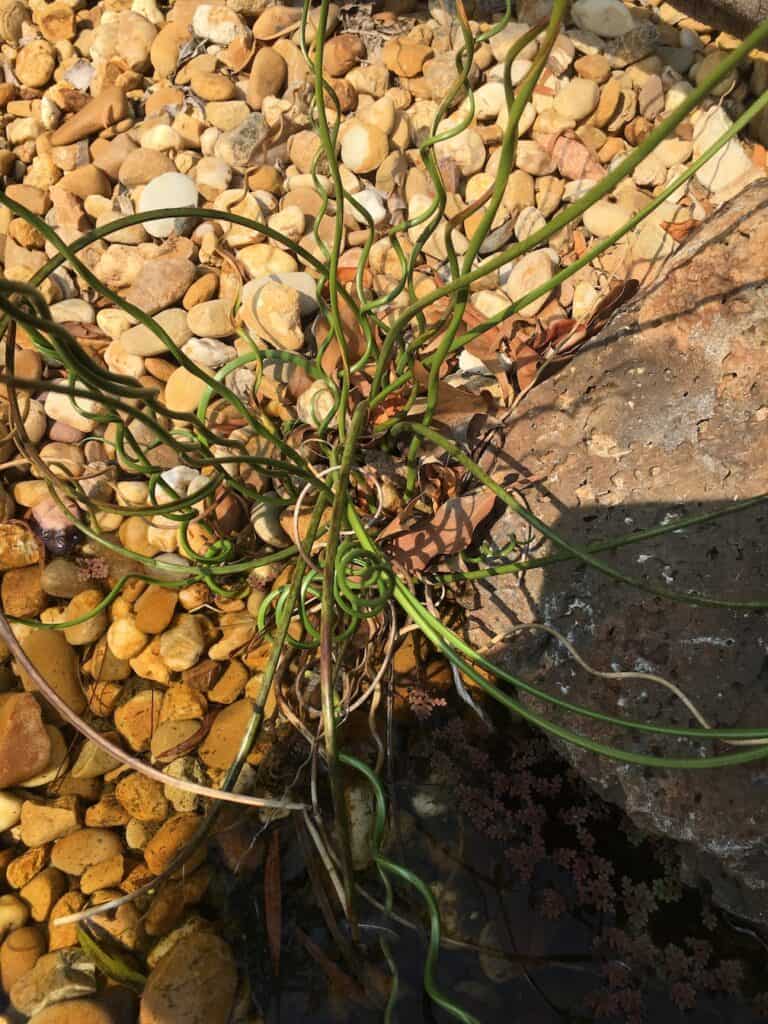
pixel 14 913
pixel 13 14
pixel 166 48
pixel 531 157
pixel 25 745
pixel 315 403
pixel 467 150
pixel 608 104
pixel 58 762
pixel 149 665
pixel 612 149
pixel 74 1011
pixel 35 199
pixel 78 851
pixel 220 746
pixel 25 234
pixel 167 908
pixel 549 194
pixel 210 85
pixel 125 639
pixel 142 798
pixel 43 892
pixel 43 823
pixel 64 935
pixel 260 259
pixel 171 736
pixel 278 311
pixel 10 811
pixel 85 790
pixel 54 658
pixel 52 975
pixel 109 107
pixel 290 222
pixel 346 94
pixel 303 147
pixel 275 21
pixel 363 147
pixel 342 53
pixel 19 953
pixel 230 685
pixel 381 114
pixel 155 608
pixel 35 64
pixel 267 78
pixel 133 534
pixel 161 283
pixel 211 319
pixel 8 93
pixel 141 341
pixel 183 390
pixel 105 875
pixel 18 546
pixel 168 841
pixel 89 631
pixel 196 980
pixel 137 719
pixel 158 368
pixel 23 869
pixel 226 115
pixel 22 593
pixel 109 154
pixel 182 645
pixel 105 668
pixel 403 58
pixel 140 167
pixel 202 290
pixel 530 272
pixel 371 80
pixel 182 703
pixel 577 99
pixel 594 66
pixel 106 813
pixel 124 925
pixel 165 96
pixel 265 178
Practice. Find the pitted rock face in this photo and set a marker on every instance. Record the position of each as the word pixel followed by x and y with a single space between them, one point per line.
pixel 663 415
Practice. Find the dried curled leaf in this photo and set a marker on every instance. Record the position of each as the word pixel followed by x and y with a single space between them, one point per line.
pixel 448 532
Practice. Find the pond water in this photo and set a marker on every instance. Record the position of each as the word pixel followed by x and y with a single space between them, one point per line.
pixel 554 908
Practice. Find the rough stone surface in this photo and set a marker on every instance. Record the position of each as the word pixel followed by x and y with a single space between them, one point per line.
pixel 25 746
pixel 65 974
pixel 194 982
pixel 161 283
pixel 662 415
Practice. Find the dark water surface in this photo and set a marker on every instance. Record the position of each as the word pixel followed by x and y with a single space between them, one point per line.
pixel 563 911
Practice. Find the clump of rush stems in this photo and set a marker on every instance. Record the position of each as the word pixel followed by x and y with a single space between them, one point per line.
pixel 336 582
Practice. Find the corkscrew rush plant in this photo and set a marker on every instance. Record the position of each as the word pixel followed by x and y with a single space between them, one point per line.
pixel 334 601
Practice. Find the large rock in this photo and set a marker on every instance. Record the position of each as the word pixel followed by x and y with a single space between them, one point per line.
pixel 25 746
pixel 195 982
pixel 663 415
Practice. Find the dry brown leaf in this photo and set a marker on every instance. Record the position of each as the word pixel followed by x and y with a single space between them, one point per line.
pixel 339 980
pixel 273 903
pixel 448 532
pixel 526 366
pixel 679 230
pixel 456 407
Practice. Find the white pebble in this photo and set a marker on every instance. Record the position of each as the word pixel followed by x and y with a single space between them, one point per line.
pixel 164 192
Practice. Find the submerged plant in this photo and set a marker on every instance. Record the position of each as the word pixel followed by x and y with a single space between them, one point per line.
pixel 299 439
